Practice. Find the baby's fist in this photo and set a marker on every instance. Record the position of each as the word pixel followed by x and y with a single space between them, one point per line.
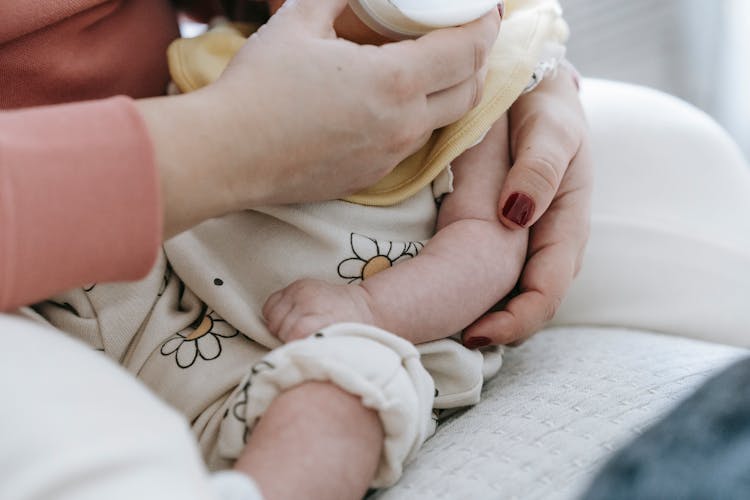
pixel 307 305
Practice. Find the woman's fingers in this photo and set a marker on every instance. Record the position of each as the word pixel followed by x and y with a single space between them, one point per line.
pixel 445 58
pixel 542 152
pixel 338 116
pixel 549 189
pixel 547 129
pixel 445 69
pixel 556 247
pixel 449 105
pixel 545 281
pixel 533 181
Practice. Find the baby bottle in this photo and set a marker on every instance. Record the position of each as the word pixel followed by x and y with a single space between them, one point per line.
pixel 400 19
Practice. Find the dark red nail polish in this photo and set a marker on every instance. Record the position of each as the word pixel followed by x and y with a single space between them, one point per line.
pixel 501 9
pixel 519 208
pixel 476 342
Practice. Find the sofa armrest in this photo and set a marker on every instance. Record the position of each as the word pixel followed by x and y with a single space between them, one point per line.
pixel 670 241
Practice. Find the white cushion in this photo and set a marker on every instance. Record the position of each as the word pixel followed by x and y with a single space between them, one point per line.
pixel 562 402
pixel 670 234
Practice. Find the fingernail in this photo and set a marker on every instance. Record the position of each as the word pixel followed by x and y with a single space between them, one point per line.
pixel 519 208
pixel 476 342
pixel 501 9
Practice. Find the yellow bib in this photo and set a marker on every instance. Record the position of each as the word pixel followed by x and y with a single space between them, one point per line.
pixel 529 25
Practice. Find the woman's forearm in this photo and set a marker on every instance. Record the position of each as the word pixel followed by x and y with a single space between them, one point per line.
pixel 79 198
pixel 194 160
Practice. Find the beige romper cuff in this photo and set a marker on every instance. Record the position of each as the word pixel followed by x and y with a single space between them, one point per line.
pixel 379 367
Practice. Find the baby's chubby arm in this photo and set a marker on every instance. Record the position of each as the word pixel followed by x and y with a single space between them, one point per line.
pixel 470 264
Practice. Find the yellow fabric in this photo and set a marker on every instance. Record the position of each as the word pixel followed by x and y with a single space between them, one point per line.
pixel 196 62
pixel 529 25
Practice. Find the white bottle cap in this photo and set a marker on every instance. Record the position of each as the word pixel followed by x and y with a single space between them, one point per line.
pixel 399 19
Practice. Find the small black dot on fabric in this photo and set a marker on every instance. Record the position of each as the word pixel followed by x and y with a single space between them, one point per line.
pixel 318 334
pixel 218 282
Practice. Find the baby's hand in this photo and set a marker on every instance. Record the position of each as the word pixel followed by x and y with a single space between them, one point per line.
pixel 307 305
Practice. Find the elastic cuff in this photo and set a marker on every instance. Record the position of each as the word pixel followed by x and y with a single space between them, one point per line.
pixel 381 368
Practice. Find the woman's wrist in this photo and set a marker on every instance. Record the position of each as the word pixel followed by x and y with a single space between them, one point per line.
pixel 195 161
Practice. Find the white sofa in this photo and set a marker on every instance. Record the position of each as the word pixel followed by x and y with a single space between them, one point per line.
pixel 669 258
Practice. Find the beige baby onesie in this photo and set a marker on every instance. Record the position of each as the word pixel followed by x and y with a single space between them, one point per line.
pixel 193 330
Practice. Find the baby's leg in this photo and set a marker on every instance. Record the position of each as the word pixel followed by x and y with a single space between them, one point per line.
pixel 330 415
pixel 314 441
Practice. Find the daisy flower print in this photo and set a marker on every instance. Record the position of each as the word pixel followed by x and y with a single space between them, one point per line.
pixel 200 340
pixel 370 256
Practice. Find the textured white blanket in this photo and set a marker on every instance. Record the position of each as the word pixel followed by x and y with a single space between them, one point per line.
pixel 561 404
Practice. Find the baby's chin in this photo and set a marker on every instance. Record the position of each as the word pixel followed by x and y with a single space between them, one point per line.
pixel 350 27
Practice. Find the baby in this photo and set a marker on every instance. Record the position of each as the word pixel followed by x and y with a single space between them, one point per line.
pixel 244 307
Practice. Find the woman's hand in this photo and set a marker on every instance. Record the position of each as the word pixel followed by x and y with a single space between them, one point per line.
pixel 549 190
pixel 343 115
pixel 301 115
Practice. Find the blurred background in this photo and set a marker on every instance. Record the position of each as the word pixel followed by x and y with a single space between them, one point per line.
pixel 697 50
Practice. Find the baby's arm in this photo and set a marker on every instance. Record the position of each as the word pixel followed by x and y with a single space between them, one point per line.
pixel 470 264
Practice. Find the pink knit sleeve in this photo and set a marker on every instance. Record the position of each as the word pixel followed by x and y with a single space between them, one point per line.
pixel 79 198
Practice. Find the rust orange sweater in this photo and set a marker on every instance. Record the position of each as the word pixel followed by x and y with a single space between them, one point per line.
pixel 79 193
